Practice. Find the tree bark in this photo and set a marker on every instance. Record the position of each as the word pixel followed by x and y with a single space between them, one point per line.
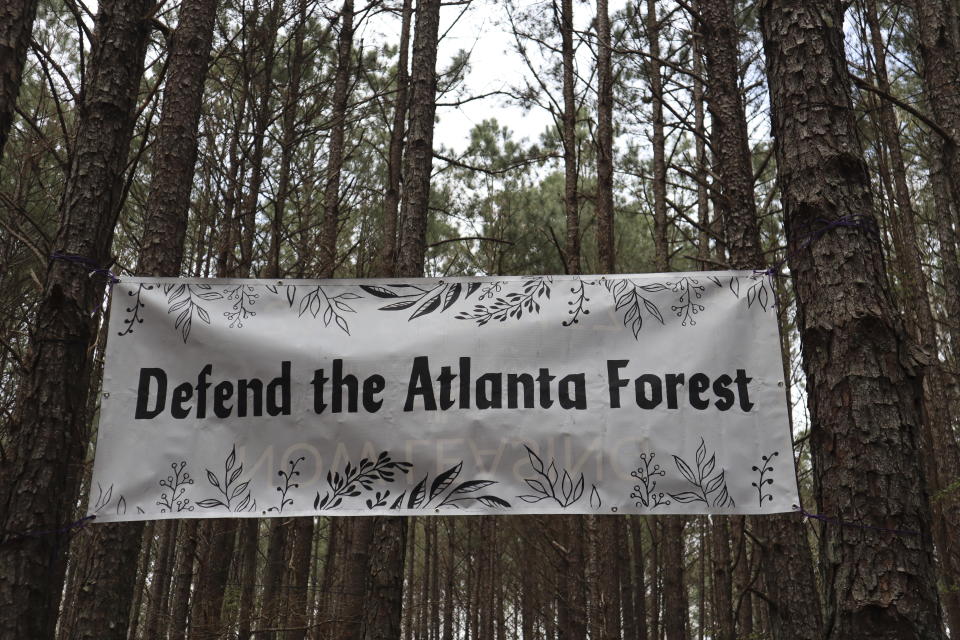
pixel 16 26
pixel 391 201
pixel 331 192
pixel 49 434
pixel 660 240
pixel 568 132
pixel 861 380
pixel 605 244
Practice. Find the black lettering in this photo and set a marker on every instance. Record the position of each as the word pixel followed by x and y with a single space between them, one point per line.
pixel 181 394
pixel 371 387
pixel 420 385
pixel 742 380
pixel 699 383
pixel 722 391
pixel 579 400
pixel 493 399
pixel 202 386
pixel 615 381
pixel 282 384
pixel 514 380
pixel 544 380
pixel 245 386
pixel 656 391
pixel 446 387
pixel 339 381
pixel 221 393
pixel 143 393
pixel 319 382
pixel 674 380
pixel 464 383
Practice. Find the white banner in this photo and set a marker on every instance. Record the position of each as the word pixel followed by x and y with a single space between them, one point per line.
pixel 659 393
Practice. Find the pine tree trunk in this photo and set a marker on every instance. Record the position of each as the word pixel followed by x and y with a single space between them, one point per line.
pixel 16 26
pixel 217 542
pixel 299 600
pixel 862 386
pixel 249 547
pixel 47 439
pixel 391 201
pixel 571 201
pixel 605 244
pixel 260 51
pixel 675 605
pixel 660 241
pixel 180 602
pixel 331 192
pixel 160 580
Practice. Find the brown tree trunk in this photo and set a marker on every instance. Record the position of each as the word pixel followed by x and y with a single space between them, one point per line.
pixel 271 599
pixel 571 201
pixel 160 580
pixel 391 201
pixel 660 241
pixel 47 438
pixel 217 542
pixel 640 584
pixel 183 580
pixel 605 244
pixel 384 602
pixel 16 26
pixel 939 40
pixel 419 153
pixel 331 192
pixel 298 602
pixel 249 547
pixel 675 605
pixel 861 382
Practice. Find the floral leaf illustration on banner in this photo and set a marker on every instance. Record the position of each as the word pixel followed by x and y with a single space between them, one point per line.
pixel 134 311
pixel 182 301
pixel 629 299
pixel 708 487
pixel 512 304
pixel 318 303
pixel 645 492
pixel 550 484
pixel 243 297
pixel 358 478
pixel 757 292
pixel 175 485
pixel 288 484
pixel 687 307
pixel 104 498
pixel 762 480
pixel 443 492
pixel 422 301
pixel 578 304
pixel 234 493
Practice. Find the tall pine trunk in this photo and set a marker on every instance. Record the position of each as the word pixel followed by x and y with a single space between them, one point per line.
pixel 49 434
pixel 335 159
pixel 16 26
pixel 862 383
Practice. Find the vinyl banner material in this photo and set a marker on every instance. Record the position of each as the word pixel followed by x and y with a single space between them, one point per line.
pixel 658 393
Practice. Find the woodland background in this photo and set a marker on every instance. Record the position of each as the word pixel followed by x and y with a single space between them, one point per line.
pixel 263 138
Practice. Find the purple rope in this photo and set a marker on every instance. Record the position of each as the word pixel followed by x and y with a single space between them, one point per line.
pixel 78 524
pixel 843 523
pixel 853 221
pixel 92 267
